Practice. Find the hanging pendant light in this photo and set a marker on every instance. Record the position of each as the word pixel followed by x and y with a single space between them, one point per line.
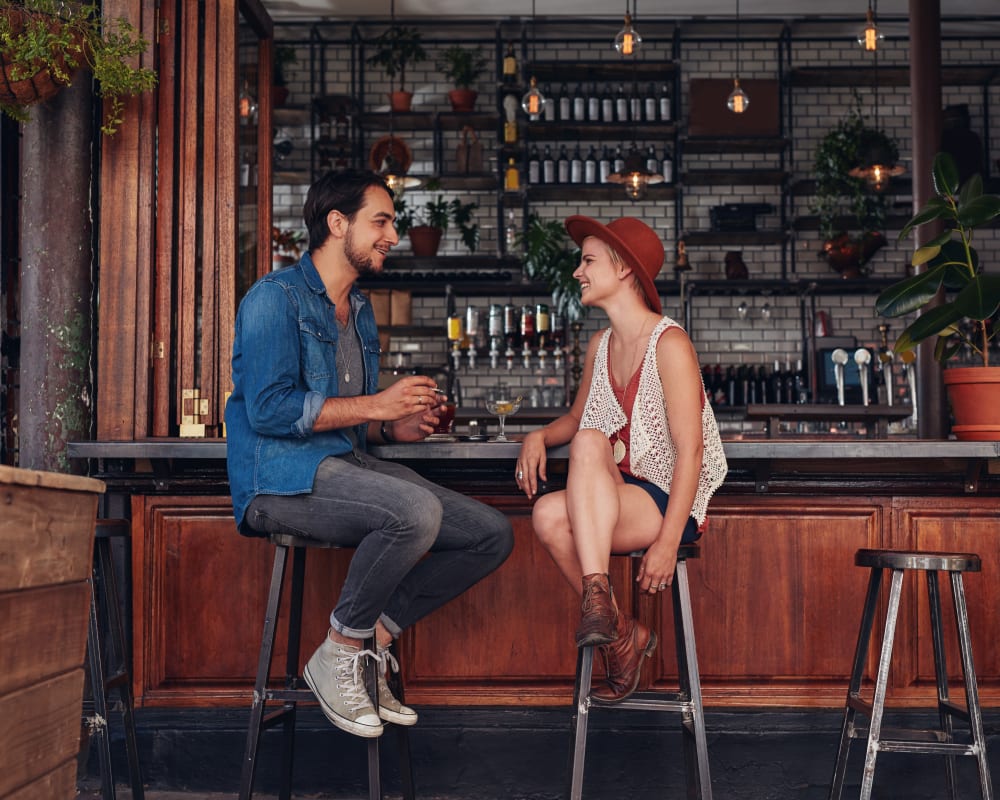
pixel 634 176
pixel 738 100
pixel 876 152
pixel 870 35
pixel 628 41
pixel 533 101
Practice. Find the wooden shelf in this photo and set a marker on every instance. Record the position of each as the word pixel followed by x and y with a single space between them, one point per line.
pixel 593 70
pixel 588 191
pixel 599 131
pixel 428 120
pixel 469 183
pixel 707 287
pixel 734 238
pixel 734 177
pixel 712 145
pixel 893 222
pixel 972 75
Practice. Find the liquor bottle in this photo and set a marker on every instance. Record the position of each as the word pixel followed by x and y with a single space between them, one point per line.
pixel 512 177
pixel 751 395
pixel 562 166
pixel 576 166
pixel 742 385
pixel 590 166
pixel 510 234
pixel 510 325
pixel 604 166
pixel 652 162
pixel 534 166
pixel 619 162
pixel 579 105
pixel 527 325
pixel 635 105
pixel 799 383
pixel 607 105
pixel 550 104
pixel 565 104
pixel 667 166
pixel 621 104
pixel 510 65
pixel 543 326
pixel 548 166
pixel 775 393
pixel 650 103
pixel 731 385
pixel 664 103
pixel 593 104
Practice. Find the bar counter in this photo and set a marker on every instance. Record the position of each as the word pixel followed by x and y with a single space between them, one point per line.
pixel 776 595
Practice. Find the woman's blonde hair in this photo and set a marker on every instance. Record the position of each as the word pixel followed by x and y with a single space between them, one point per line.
pixel 618 261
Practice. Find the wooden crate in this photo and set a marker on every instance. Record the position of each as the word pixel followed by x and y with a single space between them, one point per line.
pixel 46 550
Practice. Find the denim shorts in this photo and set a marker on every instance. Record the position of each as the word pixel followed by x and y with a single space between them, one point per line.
pixel 660 497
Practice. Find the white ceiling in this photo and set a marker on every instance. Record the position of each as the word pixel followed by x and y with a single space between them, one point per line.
pixel 671 9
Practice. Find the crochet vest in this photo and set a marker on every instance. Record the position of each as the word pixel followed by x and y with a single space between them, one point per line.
pixel 653 453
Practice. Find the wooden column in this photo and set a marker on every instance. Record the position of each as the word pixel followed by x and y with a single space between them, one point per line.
pixel 925 91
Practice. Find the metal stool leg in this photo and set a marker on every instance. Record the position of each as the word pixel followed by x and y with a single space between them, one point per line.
pixel 581 713
pixel 263 673
pixel 698 775
pixel 99 721
pixel 941 676
pixel 881 682
pixel 854 687
pixel 971 687
pixel 402 739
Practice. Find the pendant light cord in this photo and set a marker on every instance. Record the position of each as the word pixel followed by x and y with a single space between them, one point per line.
pixel 738 43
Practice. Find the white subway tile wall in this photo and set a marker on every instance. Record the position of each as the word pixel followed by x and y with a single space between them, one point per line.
pixel 774 325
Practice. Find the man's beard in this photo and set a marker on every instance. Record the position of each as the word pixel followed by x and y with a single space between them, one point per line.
pixel 362 265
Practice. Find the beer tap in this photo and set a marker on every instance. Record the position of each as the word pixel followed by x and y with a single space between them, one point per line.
pixel 910 369
pixel 885 363
pixel 472 333
pixel 839 359
pixel 527 334
pixel 495 330
pixel 863 358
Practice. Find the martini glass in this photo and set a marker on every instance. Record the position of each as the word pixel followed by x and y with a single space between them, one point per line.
pixel 503 408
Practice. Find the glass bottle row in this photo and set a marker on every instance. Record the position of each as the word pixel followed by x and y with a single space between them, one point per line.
pixel 587 103
pixel 548 166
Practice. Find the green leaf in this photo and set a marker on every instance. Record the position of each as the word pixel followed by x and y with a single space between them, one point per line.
pixel 933 322
pixel 971 189
pixel 980 299
pixel 979 211
pixel 946 347
pixel 909 294
pixel 945 175
pixel 924 254
pixel 938 241
pixel 935 208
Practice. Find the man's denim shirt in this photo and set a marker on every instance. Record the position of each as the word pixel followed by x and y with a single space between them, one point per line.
pixel 284 367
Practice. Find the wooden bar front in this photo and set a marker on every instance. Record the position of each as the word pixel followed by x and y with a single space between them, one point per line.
pixel 777 598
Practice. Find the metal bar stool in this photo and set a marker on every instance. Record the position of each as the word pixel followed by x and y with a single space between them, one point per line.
pixel 295 690
pixel 937 741
pixel 687 700
pixel 110 653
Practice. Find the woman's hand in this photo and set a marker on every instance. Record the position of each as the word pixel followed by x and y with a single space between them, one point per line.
pixel 656 570
pixel 530 467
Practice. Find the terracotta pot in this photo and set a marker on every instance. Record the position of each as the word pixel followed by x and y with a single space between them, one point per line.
pixel 425 240
pixel 400 101
pixel 974 393
pixel 463 99
pixel 42 85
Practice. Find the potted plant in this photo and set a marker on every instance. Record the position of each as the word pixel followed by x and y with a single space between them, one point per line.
pixel 843 201
pixel 426 225
pixel 286 246
pixel 463 66
pixel 395 48
pixel 44 42
pixel 551 257
pixel 284 57
pixel 964 319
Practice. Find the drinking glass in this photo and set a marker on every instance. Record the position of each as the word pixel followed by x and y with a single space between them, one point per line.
pixel 503 407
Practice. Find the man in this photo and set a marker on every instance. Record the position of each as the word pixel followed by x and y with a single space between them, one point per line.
pixel 305 403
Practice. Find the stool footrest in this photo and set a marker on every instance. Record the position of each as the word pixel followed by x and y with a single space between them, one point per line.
pixel 931 748
pixel 295 695
pixel 658 701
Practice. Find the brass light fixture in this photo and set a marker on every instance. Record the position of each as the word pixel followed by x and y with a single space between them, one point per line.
pixel 738 100
pixel 533 101
pixel 628 42
pixel 870 35
pixel 877 163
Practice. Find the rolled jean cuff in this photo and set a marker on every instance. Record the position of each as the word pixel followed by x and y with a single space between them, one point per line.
pixel 389 625
pixel 351 633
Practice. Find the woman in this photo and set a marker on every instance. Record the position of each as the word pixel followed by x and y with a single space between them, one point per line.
pixel 645 453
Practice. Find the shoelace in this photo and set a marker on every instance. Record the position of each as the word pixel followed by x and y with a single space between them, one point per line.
pixel 349 670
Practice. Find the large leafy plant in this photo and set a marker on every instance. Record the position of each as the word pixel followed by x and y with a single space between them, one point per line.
pixel 551 257
pixel 963 318
pixel 440 213
pixel 395 48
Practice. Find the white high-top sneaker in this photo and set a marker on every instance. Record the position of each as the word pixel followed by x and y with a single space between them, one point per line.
pixel 335 673
pixel 389 708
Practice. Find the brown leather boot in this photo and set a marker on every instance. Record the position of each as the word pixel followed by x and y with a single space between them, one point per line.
pixel 623 660
pixel 599 615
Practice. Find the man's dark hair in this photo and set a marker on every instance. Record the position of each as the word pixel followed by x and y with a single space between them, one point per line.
pixel 336 191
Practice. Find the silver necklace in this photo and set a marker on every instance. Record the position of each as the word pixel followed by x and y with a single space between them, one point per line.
pixel 344 364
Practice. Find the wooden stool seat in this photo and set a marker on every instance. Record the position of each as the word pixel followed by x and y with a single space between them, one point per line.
pixel 935 741
pixel 295 689
pixel 686 701
pixel 108 661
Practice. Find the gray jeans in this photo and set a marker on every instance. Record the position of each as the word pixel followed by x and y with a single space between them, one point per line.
pixel 393 518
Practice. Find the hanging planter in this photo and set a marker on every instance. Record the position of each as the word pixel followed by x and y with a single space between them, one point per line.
pixel 43 43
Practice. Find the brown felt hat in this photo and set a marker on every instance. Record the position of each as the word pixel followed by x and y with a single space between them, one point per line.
pixel 637 244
